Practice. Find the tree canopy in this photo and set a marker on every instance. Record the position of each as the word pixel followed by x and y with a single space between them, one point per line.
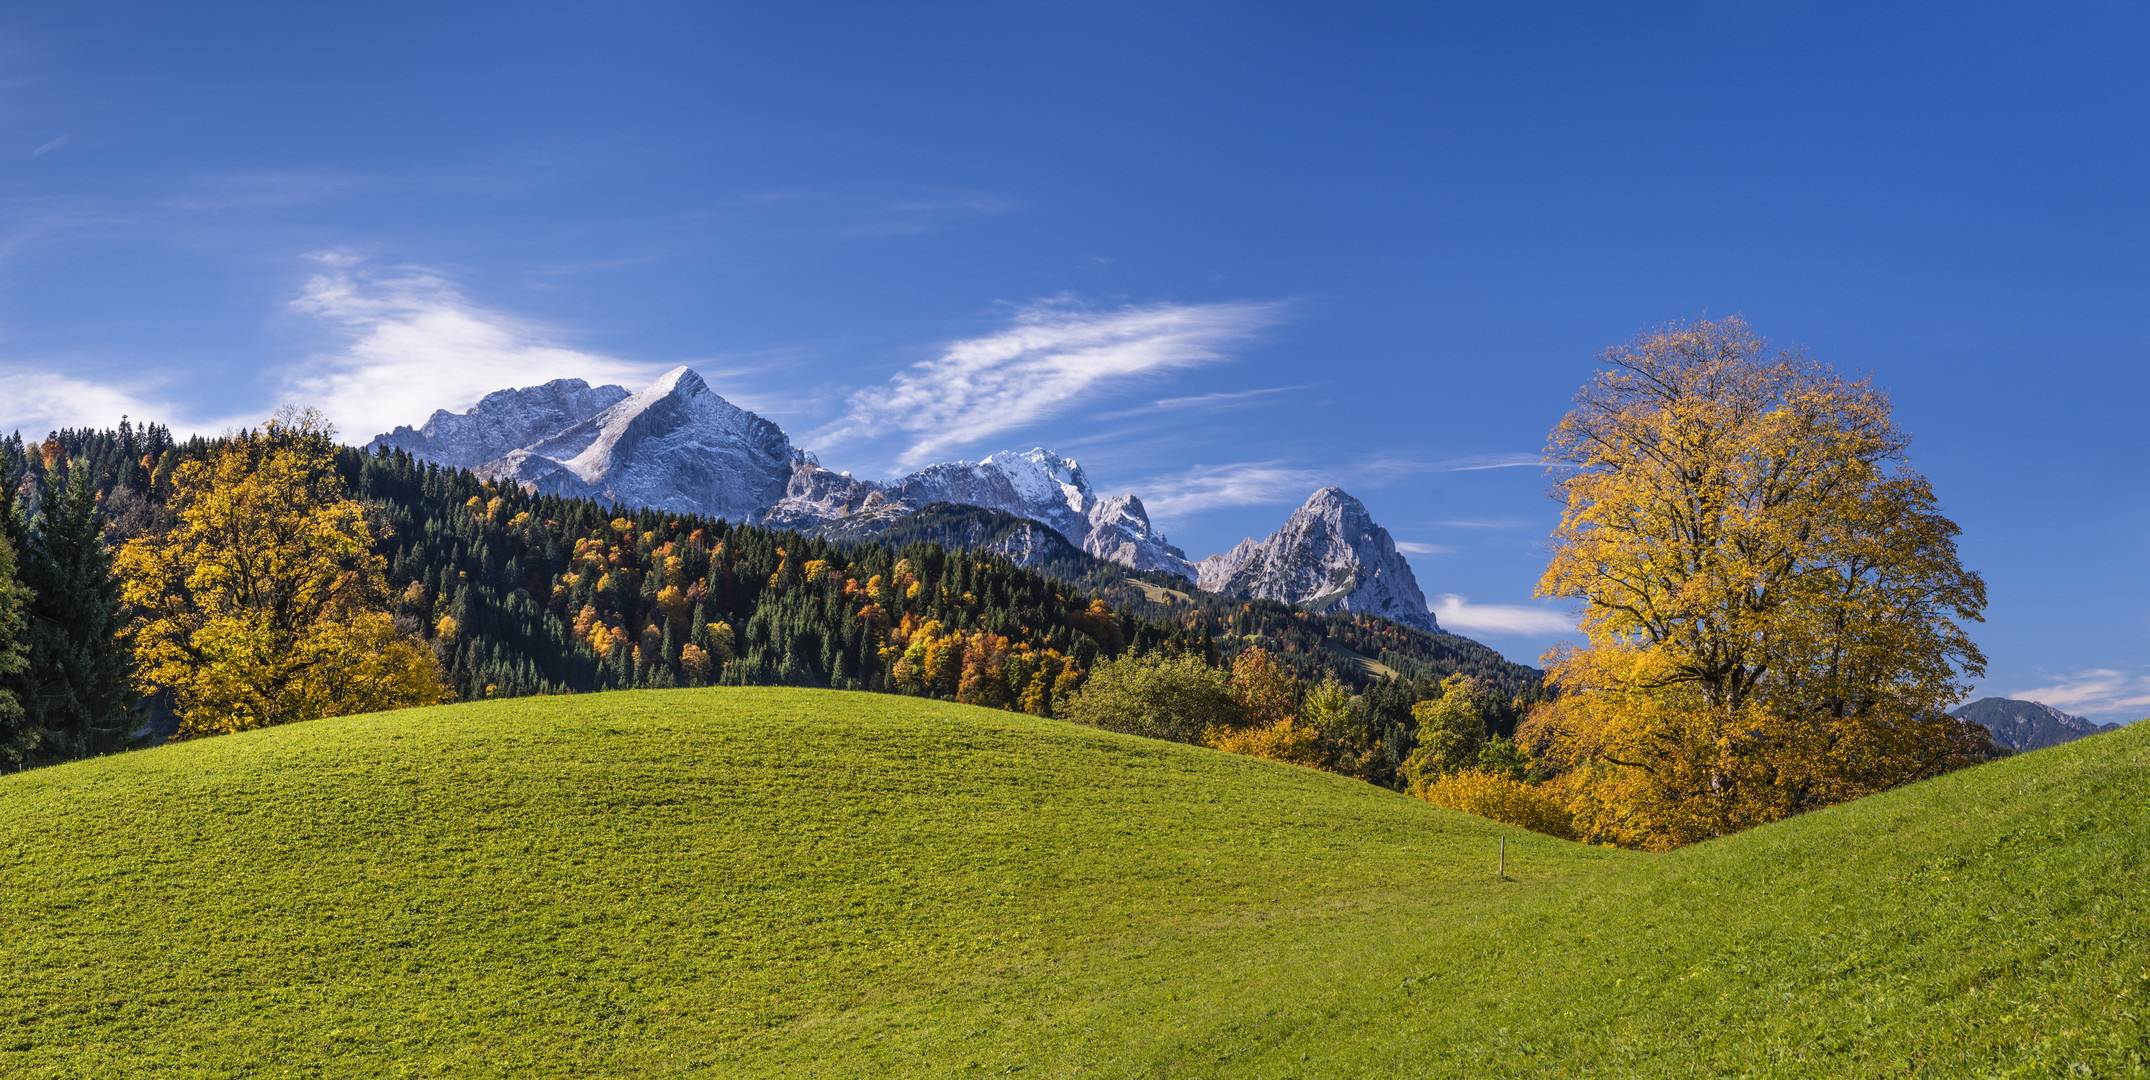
pixel 267 601
pixel 1773 599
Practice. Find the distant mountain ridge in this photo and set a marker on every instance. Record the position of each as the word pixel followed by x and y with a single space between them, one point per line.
pixel 677 445
pixel 1328 554
pixel 1039 485
pixel 674 444
pixel 502 422
pixel 2027 725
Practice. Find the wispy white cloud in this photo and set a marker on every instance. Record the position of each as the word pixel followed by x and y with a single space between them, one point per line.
pixel 1467 463
pixel 1053 355
pixel 1458 613
pixel 1212 487
pixel 1413 547
pixel 49 147
pixel 872 214
pixel 413 343
pixel 265 190
pixel 39 401
pixel 2099 693
pixel 1254 483
pixel 1204 401
pixel 1481 523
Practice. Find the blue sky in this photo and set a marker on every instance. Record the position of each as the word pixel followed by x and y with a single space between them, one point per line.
pixel 1221 254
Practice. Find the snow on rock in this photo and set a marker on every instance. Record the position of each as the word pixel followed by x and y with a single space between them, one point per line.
pixel 674 444
pixel 1329 555
pixel 1039 485
pixel 502 422
pixel 678 446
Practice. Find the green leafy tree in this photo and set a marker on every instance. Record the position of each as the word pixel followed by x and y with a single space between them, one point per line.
pixel 1451 732
pixel 1162 697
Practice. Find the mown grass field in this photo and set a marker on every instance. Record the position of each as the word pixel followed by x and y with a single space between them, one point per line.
pixel 806 883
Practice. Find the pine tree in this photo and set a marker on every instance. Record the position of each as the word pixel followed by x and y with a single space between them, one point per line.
pixel 78 670
pixel 17 736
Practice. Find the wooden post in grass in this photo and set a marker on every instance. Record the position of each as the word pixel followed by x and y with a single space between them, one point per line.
pixel 1503 874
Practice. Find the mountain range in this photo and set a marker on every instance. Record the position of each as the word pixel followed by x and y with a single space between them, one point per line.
pixel 2027 725
pixel 677 445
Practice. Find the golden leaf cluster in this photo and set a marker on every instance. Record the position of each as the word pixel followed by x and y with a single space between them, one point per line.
pixel 267 602
pixel 1773 599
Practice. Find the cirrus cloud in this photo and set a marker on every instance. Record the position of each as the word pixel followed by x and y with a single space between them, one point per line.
pixel 1458 613
pixel 2101 694
pixel 1052 355
pixel 412 342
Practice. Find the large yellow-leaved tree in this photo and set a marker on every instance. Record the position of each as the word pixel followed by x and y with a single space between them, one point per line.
pixel 266 603
pixel 1773 601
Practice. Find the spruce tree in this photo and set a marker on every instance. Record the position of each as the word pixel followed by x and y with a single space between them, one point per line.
pixel 77 678
pixel 17 736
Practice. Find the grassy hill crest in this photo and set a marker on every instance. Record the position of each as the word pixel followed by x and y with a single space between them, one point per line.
pixel 733 882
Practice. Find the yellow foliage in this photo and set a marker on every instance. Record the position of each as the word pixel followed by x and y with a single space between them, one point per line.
pixel 721 642
pixel 1772 594
pixel 983 680
pixel 674 604
pixel 1265 691
pixel 1500 798
pixel 695 663
pixel 266 603
pixel 1284 740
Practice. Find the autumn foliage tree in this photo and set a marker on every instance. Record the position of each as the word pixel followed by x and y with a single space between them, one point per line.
pixel 1772 598
pixel 267 602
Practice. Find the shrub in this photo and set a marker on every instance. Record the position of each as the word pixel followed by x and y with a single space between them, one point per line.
pixel 1177 698
pixel 1502 799
pixel 1284 740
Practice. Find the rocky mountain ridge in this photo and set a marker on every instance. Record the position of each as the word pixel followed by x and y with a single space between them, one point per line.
pixel 1329 554
pixel 502 422
pixel 2027 725
pixel 1039 485
pixel 678 445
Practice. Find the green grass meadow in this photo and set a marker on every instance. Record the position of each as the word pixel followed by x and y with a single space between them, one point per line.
pixel 764 882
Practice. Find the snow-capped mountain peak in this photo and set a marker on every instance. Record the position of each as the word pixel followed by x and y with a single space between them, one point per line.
pixel 678 445
pixel 501 422
pixel 1329 554
pixel 1037 484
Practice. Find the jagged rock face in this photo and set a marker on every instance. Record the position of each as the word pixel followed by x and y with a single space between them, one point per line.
pixel 1039 485
pixel 1328 555
pixel 2027 725
pixel 1024 541
pixel 675 445
pixel 1119 531
pixel 502 422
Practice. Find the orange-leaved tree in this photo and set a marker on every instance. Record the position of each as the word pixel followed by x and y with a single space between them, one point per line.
pixel 1772 598
pixel 267 603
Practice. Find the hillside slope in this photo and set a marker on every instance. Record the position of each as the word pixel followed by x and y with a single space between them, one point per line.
pixel 783 882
